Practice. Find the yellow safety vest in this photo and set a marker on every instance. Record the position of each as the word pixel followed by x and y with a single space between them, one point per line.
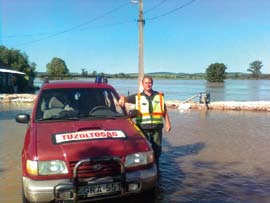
pixel 146 117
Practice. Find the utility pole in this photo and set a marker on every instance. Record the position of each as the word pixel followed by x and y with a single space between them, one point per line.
pixel 141 23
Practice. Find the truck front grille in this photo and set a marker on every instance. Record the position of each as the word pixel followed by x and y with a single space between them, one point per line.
pixel 97 168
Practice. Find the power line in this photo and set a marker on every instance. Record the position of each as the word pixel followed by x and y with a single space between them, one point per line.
pixel 26 35
pixel 74 27
pixel 171 11
pixel 110 25
pixel 81 29
pixel 156 6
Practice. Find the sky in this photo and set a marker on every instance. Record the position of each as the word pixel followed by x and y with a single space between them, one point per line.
pixel 181 36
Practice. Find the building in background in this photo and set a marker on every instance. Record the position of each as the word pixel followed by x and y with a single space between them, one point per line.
pixel 8 77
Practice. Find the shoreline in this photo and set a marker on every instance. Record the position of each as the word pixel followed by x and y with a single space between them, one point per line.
pixel 222 105
pixel 174 104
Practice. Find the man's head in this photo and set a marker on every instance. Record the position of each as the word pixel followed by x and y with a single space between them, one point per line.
pixel 147 83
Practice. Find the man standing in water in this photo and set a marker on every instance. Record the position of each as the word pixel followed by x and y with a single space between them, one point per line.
pixel 152 112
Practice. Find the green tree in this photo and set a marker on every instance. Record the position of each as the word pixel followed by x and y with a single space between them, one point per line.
pixel 19 61
pixel 255 69
pixel 236 75
pixel 216 72
pixel 84 72
pixel 121 75
pixel 57 68
pixel 94 73
pixel 101 74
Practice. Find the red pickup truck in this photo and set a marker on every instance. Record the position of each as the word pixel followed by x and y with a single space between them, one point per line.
pixel 81 145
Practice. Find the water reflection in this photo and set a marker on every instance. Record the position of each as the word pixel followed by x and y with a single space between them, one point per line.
pixel 9 111
pixel 214 157
pixel 216 91
pixel 220 157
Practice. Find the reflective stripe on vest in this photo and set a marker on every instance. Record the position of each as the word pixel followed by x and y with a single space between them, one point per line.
pixel 146 117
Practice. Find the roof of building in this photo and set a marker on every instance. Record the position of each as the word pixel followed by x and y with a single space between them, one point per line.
pixel 4 68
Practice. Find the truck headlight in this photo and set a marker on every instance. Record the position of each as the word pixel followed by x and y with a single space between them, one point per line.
pixel 138 159
pixel 53 167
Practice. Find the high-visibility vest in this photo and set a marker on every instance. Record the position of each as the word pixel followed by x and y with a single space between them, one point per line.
pixel 146 117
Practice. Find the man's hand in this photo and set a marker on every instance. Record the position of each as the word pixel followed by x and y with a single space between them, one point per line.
pixel 168 127
pixel 167 122
pixel 122 101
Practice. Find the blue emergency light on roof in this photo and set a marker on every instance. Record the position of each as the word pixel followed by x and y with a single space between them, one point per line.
pixel 101 79
pixel 46 80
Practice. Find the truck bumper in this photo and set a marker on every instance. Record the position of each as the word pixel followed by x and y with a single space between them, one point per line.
pixel 43 190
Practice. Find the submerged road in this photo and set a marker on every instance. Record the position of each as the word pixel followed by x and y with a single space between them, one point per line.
pixel 208 157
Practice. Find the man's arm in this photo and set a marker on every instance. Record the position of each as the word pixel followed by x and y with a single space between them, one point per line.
pixel 130 99
pixel 167 121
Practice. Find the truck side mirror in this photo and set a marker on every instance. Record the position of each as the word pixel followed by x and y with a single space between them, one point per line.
pixel 133 113
pixel 22 118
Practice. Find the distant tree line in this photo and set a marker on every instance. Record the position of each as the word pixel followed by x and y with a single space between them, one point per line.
pixel 215 72
pixel 57 69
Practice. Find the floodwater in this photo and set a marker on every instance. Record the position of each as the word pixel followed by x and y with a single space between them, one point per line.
pixel 208 157
pixel 175 89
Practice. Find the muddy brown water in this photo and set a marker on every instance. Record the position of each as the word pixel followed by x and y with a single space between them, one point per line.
pixel 208 157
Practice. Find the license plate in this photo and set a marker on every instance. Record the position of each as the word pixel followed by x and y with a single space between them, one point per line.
pixel 99 189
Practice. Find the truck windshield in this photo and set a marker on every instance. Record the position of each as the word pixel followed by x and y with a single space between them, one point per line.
pixel 69 103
